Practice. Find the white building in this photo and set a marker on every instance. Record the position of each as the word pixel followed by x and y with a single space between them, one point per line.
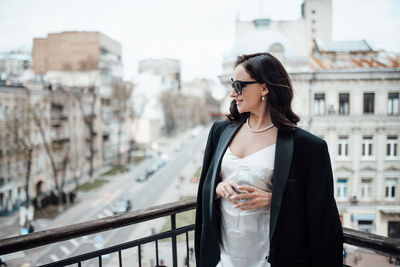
pixel 346 93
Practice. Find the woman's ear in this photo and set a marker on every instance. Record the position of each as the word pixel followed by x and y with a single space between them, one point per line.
pixel 265 89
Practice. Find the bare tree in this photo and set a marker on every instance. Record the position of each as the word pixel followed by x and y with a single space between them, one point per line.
pixel 89 116
pixel 41 121
pixel 121 95
pixel 20 124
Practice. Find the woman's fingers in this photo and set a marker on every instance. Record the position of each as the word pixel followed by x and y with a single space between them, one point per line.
pixel 226 190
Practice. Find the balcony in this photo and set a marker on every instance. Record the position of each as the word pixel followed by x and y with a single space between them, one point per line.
pixel 388 247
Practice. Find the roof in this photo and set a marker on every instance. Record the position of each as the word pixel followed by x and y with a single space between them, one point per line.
pixel 343 46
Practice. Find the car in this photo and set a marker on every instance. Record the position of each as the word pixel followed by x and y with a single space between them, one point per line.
pixel 121 205
pixel 143 177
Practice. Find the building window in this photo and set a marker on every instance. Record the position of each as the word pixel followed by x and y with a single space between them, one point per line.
pixel 343 150
pixel 341 189
pixel 9 170
pixel 6 113
pixel 365 222
pixel 390 188
pixel 368 103
pixel 367 147
pixel 391 146
pixel 393 104
pixel 394 229
pixel 366 189
pixel 319 104
pixel 344 104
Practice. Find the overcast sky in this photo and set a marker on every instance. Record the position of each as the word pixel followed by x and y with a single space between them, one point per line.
pixel 198 33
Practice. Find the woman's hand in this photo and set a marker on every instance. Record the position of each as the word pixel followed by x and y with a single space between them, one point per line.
pixel 257 198
pixel 226 190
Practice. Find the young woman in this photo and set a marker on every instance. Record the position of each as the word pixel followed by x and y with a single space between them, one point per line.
pixel 288 215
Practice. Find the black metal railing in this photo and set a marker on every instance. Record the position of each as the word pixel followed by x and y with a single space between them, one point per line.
pixel 382 245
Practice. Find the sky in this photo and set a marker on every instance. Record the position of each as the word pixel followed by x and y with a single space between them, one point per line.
pixel 199 33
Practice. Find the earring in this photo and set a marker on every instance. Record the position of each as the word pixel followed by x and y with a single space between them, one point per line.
pixel 263 98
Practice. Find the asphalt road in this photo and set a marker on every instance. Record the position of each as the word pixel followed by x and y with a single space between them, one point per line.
pixel 97 204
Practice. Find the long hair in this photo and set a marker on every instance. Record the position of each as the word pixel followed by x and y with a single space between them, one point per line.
pixel 266 68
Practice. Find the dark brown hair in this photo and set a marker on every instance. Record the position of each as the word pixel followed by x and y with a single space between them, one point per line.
pixel 267 69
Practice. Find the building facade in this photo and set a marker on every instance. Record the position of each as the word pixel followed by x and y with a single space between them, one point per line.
pixel 87 59
pixel 44 142
pixel 348 94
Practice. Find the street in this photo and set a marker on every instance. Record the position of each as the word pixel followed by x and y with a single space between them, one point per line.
pixel 160 188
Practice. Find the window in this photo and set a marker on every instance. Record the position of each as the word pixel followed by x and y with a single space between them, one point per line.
pixel 341 189
pixel 366 222
pixel 390 188
pixel 366 189
pixel 6 113
pixel 319 104
pixel 9 169
pixel 343 150
pixel 393 104
pixel 368 103
pixel 391 146
pixel 344 104
pixel 367 147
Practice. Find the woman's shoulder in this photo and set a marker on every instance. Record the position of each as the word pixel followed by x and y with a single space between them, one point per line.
pixel 301 135
pixel 219 126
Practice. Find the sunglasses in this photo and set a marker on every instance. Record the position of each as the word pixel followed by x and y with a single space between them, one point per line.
pixel 239 85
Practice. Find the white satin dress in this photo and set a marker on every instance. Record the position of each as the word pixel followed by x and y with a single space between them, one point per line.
pixel 251 249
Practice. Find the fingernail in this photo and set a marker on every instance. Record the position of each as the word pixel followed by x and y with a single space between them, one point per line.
pixel 233 197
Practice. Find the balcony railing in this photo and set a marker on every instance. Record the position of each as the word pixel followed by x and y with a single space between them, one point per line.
pixel 389 247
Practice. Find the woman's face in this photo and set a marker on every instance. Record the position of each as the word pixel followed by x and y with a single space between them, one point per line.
pixel 250 99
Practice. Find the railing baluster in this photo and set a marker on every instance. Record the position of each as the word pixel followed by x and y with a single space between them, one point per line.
pixel 187 248
pixel 173 238
pixel 79 264
pixel 139 256
pixel 100 263
pixel 157 262
pixel 120 258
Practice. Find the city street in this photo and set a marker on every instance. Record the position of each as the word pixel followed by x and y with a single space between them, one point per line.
pixel 160 188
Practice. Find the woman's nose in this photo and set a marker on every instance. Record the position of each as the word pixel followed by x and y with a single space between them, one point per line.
pixel 233 93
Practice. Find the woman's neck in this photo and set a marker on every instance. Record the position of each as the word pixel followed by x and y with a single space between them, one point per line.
pixel 259 121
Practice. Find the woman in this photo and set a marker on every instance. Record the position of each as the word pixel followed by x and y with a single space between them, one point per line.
pixel 288 214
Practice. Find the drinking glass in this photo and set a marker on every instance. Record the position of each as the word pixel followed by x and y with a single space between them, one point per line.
pixel 243 177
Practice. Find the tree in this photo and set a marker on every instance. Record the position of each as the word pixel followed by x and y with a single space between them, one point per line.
pixel 120 95
pixel 89 116
pixel 42 121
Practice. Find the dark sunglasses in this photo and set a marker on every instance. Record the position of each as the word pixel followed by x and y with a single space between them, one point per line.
pixel 239 85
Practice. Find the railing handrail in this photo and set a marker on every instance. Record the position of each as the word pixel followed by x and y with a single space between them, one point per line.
pixel 41 238
pixel 380 244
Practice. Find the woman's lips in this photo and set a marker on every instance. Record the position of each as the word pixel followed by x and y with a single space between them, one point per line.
pixel 238 101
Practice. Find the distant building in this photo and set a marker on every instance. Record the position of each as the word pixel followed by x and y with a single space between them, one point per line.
pixel 16 66
pixel 168 69
pixel 61 121
pixel 347 93
pixel 155 78
pixel 85 59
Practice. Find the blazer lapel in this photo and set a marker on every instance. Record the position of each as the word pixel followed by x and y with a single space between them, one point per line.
pixel 224 141
pixel 283 160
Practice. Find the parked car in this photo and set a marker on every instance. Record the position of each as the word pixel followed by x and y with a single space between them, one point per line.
pixel 143 177
pixel 121 205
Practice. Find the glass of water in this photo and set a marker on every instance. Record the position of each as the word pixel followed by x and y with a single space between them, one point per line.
pixel 243 177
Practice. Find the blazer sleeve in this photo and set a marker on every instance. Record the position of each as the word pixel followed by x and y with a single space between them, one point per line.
pixel 208 155
pixel 325 234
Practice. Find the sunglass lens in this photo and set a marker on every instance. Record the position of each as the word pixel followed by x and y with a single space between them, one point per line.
pixel 238 88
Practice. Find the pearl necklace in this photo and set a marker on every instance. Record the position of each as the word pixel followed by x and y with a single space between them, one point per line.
pixel 258 130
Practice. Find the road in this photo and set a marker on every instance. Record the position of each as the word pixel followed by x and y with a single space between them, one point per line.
pixel 97 204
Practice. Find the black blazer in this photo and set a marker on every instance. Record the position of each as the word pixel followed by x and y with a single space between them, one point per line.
pixel 305 228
